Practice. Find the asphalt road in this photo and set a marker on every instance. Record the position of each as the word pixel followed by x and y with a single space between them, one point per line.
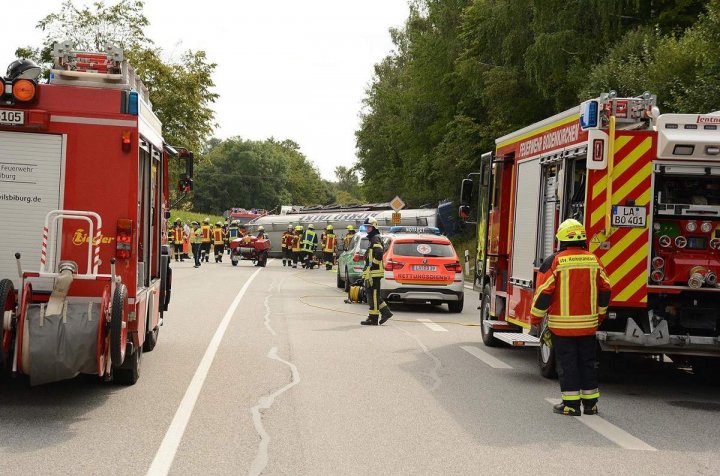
pixel 267 371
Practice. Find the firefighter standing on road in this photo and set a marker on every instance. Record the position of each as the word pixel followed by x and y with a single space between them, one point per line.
pixel 574 291
pixel 296 247
pixel 373 274
pixel 178 237
pixel 329 241
pixel 286 242
pixel 218 241
pixel 196 242
pixel 309 245
pixel 206 240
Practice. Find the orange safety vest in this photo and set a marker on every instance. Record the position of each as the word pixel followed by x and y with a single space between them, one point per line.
pixel 296 243
pixel 218 235
pixel 329 246
pixel 205 233
pixel 574 290
pixel 179 232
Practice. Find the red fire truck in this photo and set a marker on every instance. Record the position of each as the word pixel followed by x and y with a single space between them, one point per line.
pixel 647 188
pixel 84 269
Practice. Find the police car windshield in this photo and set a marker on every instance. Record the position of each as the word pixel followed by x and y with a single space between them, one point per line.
pixel 423 249
pixel 363 245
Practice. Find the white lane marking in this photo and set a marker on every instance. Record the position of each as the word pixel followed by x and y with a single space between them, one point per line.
pixel 468 287
pixel 266 317
pixel 617 435
pixel 434 372
pixel 485 357
pixel 432 325
pixel 261 459
pixel 168 448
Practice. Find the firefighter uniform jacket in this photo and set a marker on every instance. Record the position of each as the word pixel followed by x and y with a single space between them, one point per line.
pixel 178 235
pixel 287 240
pixel 329 243
pixel 574 290
pixel 206 235
pixel 374 263
pixel 296 242
pixel 309 241
pixel 347 239
pixel 218 236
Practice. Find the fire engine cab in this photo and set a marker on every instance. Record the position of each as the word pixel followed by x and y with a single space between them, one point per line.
pixel 84 269
pixel 647 188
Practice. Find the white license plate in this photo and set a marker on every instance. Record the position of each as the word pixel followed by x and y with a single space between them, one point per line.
pixel 13 118
pixel 424 267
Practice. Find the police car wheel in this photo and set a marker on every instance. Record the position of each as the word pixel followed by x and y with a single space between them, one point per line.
pixel 347 280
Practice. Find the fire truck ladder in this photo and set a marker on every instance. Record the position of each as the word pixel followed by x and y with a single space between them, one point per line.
pixel 109 69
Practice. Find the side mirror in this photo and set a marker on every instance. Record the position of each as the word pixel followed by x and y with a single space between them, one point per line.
pixel 466 192
pixel 185 184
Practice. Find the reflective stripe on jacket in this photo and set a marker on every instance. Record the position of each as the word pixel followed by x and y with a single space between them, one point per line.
pixel 574 290
pixel 374 268
pixel 196 236
pixel 179 235
pixel 296 243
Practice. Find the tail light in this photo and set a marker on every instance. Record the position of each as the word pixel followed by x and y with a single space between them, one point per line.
pixel 357 257
pixel 658 262
pixel 456 267
pixel 23 90
pixel 391 265
pixel 123 240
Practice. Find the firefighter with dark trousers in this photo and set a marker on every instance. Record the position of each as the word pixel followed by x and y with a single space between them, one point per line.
pixel 218 241
pixel 308 246
pixel 296 246
pixel 328 247
pixel 196 243
pixel 206 240
pixel 178 236
pixel 574 291
pixel 379 311
pixel 286 243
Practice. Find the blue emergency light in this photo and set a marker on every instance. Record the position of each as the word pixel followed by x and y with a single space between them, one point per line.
pixel 589 115
pixel 133 106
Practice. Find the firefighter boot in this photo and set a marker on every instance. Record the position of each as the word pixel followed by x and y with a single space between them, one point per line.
pixel 370 321
pixel 385 313
pixel 565 408
pixel 590 406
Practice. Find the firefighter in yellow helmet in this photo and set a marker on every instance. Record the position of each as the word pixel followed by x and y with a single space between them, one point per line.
pixel 308 246
pixel 218 241
pixel 373 275
pixel 206 240
pixel 286 242
pixel 176 237
pixel 296 246
pixel 329 241
pixel 347 239
pixel 574 291
pixel 196 243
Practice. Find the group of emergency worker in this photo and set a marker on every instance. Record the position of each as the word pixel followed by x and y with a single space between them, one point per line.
pixel 299 246
pixel 204 239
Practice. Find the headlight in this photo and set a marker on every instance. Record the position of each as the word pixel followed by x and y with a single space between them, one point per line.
pixel 706 227
pixel 691 226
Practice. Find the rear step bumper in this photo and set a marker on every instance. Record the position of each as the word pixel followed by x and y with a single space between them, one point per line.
pixel 518 339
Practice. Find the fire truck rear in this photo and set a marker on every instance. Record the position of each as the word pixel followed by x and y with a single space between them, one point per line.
pixel 647 188
pixel 84 269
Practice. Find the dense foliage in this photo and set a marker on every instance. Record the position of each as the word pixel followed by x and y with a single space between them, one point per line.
pixel 465 72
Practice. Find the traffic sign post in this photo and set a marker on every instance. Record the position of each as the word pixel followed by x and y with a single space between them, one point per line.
pixel 397 204
pixel 396 218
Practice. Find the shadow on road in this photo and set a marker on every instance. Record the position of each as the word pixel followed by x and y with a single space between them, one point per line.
pixel 39 417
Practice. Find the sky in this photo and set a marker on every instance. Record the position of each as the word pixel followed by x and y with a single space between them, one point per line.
pixel 288 69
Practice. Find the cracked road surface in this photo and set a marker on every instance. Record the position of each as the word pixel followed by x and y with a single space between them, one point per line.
pixel 284 380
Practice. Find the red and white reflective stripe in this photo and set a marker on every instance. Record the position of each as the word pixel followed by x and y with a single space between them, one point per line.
pixel 43 253
pixel 96 254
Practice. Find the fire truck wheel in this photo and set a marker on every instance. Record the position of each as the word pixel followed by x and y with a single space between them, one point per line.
pixel 129 371
pixel 7 303
pixel 487 334
pixel 118 326
pixel 234 263
pixel 546 353
pixel 151 338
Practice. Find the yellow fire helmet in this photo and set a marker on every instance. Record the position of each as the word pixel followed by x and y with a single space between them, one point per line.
pixel 329 228
pixel 298 227
pixel 311 226
pixel 571 230
pixel 350 228
pixel 371 221
pixel 261 228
